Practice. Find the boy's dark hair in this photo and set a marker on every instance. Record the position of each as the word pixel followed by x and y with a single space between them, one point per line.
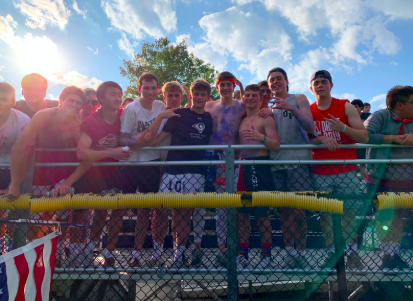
pixel 225 74
pixel 398 94
pixel 253 87
pixel 200 85
pixel 126 100
pixel 7 88
pixel 34 77
pixel 89 91
pixel 366 104
pixel 358 102
pixel 147 76
pixel 263 83
pixel 72 90
pixel 101 91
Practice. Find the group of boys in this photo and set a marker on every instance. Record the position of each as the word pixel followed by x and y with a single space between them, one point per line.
pixel 113 134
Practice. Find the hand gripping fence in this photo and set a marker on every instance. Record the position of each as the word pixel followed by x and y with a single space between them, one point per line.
pixel 285 278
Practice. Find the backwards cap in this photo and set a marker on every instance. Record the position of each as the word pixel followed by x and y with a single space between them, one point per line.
pixel 277 69
pixel 321 74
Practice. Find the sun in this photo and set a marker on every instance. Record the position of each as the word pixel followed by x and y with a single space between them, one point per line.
pixel 38 55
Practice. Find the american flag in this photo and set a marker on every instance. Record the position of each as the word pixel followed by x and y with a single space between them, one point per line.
pixel 26 273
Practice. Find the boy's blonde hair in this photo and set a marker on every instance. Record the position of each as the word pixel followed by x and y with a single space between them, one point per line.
pixel 171 86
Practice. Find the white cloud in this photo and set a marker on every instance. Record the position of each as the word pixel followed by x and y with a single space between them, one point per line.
pixel 110 46
pixel 394 8
pixel 378 98
pixel 52 97
pixel 1 68
pixel 41 12
pixel 78 10
pixel 393 63
pixel 246 37
pixel 125 45
pixel 205 52
pixel 74 78
pixel 95 52
pixel 348 96
pixel 154 17
pixel 6 29
pixel 1 78
pixel 355 35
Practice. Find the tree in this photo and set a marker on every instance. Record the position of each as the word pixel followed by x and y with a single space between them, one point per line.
pixel 168 62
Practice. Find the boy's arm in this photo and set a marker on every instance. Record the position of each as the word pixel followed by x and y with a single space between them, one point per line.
pixel 147 138
pixel 188 96
pixel 272 142
pixel 85 153
pixel 21 152
pixel 81 169
pixel 241 88
pixel 331 143
pixel 355 130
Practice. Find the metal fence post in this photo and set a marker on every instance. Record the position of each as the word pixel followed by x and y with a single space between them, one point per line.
pixel 231 227
pixel 20 230
pixel 339 247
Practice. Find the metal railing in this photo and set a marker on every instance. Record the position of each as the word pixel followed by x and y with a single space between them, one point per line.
pixel 231 274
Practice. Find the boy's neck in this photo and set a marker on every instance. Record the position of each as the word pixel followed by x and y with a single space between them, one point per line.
pixel 252 112
pixel 37 106
pixel 283 94
pixel 324 101
pixel 109 115
pixel 198 110
pixel 147 105
pixel 228 101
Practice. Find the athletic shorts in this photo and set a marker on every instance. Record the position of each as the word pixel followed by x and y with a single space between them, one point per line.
pixel 342 183
pixel 292 179
pixel 257 178
pixel 142 179
pixel 182 183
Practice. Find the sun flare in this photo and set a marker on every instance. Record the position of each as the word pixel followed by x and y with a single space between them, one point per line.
pixel 38 55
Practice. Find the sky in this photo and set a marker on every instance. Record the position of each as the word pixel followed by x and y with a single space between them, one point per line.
pixel 366 45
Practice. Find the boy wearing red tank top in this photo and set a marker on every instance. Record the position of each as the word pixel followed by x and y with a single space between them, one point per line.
pixel 336 122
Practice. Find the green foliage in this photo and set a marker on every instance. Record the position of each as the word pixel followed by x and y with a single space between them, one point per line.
pixel 168 62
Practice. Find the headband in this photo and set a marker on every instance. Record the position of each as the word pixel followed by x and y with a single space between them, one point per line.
pixel 229 79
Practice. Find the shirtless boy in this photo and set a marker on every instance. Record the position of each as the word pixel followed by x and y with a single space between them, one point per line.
pixel 256 131
pixel 226 116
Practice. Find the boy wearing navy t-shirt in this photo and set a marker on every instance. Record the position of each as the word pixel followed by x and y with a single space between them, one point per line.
pixel 189 126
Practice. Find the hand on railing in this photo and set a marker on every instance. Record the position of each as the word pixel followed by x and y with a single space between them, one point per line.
pixel 406 139
pixel 111 141
pixel 11 194
pixel 119 153
pixel 61 189
pixel 331 143
pixel 143 138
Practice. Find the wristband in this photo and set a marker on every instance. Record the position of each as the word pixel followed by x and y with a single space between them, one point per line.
pixel 265 139
pixel 345 126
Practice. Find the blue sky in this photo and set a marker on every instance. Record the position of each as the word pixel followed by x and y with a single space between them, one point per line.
pixel 366 45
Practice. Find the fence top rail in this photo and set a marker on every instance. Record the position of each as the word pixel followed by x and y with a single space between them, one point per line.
pixel 221 147
pixel 236 162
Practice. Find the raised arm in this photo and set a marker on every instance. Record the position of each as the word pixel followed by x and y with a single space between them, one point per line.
pixel 241 88
pixel 355 130
pixel 22 153
pixel 188 96
pixel 302 113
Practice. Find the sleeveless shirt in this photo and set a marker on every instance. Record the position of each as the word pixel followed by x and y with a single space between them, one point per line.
pixel 290 132
pixel 322 128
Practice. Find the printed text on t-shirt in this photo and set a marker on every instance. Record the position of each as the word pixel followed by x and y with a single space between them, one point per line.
pixel 143 125
pixel 323 128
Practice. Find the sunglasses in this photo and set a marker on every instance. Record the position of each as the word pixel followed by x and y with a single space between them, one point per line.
pixel 93 102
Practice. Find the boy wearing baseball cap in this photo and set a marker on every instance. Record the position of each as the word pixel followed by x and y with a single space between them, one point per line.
pixel 336 122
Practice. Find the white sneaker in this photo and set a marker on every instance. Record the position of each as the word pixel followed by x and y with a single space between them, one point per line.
pixel 264 263
pixel 242 262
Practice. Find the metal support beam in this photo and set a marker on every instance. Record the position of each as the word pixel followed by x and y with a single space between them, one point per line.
pixel 340 266
pixel 231 227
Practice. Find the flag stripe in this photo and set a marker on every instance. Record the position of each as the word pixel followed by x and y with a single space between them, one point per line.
pixel 12 278
pixel 23 270
pixel 49 253
pixel 30 284
pixel 38 272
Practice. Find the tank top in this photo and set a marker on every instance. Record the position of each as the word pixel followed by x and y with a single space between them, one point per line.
pixel 322 128
pixel 290 132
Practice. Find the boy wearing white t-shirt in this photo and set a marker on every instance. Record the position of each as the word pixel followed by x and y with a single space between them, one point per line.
pixel 136 118
pixel 12 123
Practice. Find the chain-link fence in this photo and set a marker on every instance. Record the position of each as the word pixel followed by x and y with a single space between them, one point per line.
pixel 144 232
